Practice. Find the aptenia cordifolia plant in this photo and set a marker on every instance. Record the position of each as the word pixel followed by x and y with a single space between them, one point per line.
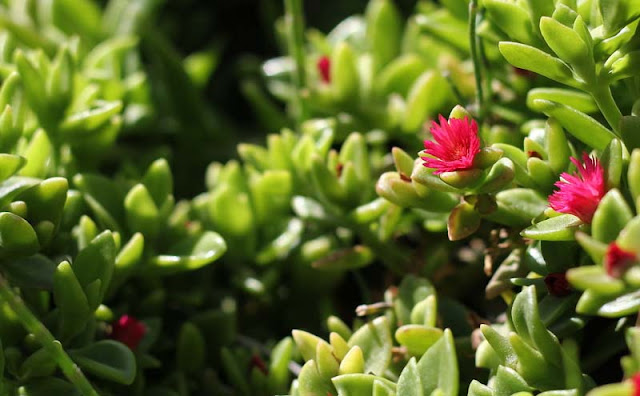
pixel 449 199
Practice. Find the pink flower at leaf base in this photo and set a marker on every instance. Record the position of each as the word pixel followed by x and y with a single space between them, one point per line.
pixel 455 146
pixel 580 193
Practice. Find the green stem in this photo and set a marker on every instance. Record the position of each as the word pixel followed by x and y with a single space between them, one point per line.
pixel 294 22
pixel 46 339
pixel 602 95
pixel 475 56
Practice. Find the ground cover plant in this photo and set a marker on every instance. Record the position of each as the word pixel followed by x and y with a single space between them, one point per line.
pixel 436 198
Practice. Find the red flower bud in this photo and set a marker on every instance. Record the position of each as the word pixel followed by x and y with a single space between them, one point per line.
pixel 618 260
pixel 557 284
pixel 129 331
pixel 324 67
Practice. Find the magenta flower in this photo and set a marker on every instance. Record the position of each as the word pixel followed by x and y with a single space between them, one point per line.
pixel 579 194
pixel 455 147
pixel 618 260
pixel 129 331
pixel 324 67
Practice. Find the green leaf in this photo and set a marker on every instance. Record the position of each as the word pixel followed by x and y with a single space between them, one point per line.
pixel 190 349
pixel 375 340
pixel 557 146
pixel 438 367
pixel 409 383
pixel 578 100
pixel 37 154
pixel 399 75
pixel 71 301
pixel 594 277
pixel 427 95
pixel 45 203
pixel 230 211
pixel 628 127
pixel 351 258
pixel 107 359
pixel 189 254
pixel 104 197
pixel 412 290
pixel 633 176
pixel 344 73
pixel 310 382
pixel 624 305
pixel 517 206
pixel 610 217
pixel 359 384
pixel 17 237
pixel 10 164
pixel 512 19
pixel 417 338
pixel 580 125
pixel 33 272
pixel 559 228
pixel 282 245
pixel 530 58
pixel 281 355
pixel 48 386
pixel 96 262
pixel 463 221
pixel 158 181
pixel 569 46
pixel 141 212
pixel 384 31
pixel 613 163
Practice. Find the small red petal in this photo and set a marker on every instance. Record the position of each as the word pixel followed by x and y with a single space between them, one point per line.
pixel 524 72
pixel 129 331
pixel 455 146
pixel 557 284
pixel 535 154
pixel 617 260
pixel 339 168
pixel 256 361
pixel 324 67
pixel 636 384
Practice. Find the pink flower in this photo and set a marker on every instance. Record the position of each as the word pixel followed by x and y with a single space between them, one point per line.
pixel 617 260
pixel 324 67
pixel 580 193
pixel 455 147
pixel 129 331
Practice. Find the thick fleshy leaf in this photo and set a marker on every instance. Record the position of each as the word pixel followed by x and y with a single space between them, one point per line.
pixel 189 254
pixel 417 338
pixel 438 367
pixel 17 237
pixel 375 340
pixel 559 228
pixel 530 58
pixel 580 125
pixel 107 359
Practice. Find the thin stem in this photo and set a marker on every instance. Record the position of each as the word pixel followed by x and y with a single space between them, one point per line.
pixel 294 22
pixel 46 339
pixel 475 56
pixel 602 95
